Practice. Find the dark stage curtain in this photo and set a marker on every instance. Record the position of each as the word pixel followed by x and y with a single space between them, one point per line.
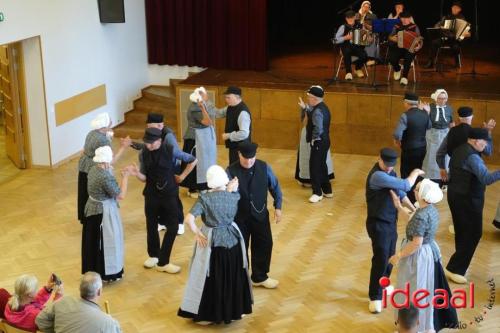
pixel 226 34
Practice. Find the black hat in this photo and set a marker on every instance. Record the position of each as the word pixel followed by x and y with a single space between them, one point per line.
pixel 233 90
pixel 411 97
pixel 405 14
pixel 316 91
pixel 479 133
pixel 350 13
pixel 399 3
pixel 154 118
pixel 389 156
pixel 457 3
pixel 248 149
pixel 465 111
pixel 151 135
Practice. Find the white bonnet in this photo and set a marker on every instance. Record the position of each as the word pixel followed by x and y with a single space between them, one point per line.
pixel 195 97
pixel 103 154
pixel 438 92
pixel 102 120
pixel 430 192
pixel 216 177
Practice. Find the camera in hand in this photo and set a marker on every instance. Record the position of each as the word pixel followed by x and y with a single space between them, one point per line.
pixel 57 281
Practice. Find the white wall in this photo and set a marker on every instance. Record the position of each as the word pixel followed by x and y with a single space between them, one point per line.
pixel 35 98
pixel 80 53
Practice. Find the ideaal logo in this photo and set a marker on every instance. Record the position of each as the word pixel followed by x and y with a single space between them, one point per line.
pixel 460 299
pixel 441 299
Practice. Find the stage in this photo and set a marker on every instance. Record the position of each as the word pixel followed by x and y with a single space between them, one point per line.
pixel 364 111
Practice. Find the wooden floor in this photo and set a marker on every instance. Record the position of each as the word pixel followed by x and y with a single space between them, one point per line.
pixel 321 253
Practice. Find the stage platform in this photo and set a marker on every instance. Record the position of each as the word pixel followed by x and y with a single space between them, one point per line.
pixel 363 116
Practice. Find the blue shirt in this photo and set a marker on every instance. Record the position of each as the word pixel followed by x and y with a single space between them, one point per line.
pixel 443 151
pixel 380 180
pixel 475 165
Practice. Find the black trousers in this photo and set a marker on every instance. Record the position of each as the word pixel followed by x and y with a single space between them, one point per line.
pixel 467 215
pixel 395 54
pixel 317 168
pixel 384 237
pixel 161 210
pixel 233 155
pixel 412 159
pixel 259 234
pixel 349 50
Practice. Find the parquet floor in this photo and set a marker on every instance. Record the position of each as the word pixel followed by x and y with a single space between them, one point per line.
pixel 321 253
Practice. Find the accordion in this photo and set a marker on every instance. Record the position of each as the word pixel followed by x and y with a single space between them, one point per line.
pixel 458 27
pixel 361 37
pixel 410 40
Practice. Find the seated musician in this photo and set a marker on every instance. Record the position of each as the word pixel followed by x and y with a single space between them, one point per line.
pixel 396 53
pixel 343 37
pixel 365 17
pixel 450 40
pixel 399 7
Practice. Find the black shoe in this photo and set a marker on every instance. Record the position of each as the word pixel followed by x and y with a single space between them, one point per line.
pixel 429 64
pixel 496 224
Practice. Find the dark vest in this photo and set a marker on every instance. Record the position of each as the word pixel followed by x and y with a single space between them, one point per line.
pixel 462 181
pixel 232 114
pixel 347 29
pixel 379 202
pixel 325 136
pixel 253 199
pixel 160 170
pixel 457 136
pixel 416 126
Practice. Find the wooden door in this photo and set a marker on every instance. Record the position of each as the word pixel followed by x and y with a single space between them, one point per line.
pixel 9 87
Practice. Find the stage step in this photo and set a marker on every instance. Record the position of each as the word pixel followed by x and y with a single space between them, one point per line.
pixel 158 99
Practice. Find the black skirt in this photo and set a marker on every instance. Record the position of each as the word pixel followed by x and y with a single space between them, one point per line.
pixel 92 250
pixel 226 295
pixel 83 195
pixel 190 182
pixel 443 318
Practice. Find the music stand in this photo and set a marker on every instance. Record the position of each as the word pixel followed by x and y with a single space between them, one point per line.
pixel 383 27
pixel 473 72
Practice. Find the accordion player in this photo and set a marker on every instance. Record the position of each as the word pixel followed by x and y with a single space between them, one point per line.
pixel 404 42
pixel 454 29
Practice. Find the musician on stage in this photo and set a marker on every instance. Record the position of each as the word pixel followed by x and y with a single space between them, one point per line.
pixel 365 17
pixel 399 7
pixel 396 53
pixel 450 40
pixel 343 37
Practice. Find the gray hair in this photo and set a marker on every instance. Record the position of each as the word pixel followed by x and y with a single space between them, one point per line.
pixel 89 285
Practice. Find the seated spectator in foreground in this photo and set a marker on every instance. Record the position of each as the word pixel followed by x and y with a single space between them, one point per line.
pixel 79 315
pixel 408 320
pixel 4 299
pixel 26 303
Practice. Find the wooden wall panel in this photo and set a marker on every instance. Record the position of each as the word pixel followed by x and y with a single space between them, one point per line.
pixel 361 124
pixel 369 110
pixel 337 103
pixel 368 140
pixel 341 138
pixel 276 134
pixel 80 104
pixel 280 105
pixel 479 108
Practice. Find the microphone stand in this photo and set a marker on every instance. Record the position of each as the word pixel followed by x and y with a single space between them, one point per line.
pixel 473 72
